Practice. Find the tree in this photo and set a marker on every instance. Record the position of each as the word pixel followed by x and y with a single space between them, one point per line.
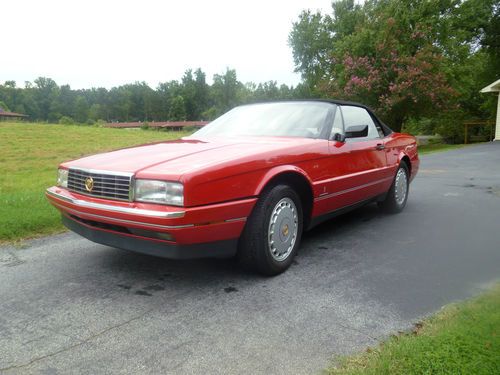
pixel 81 109
pixel 226 91
pixel 202 95
pixel 45 93
pixel 189 99
pixel 399 84
pixel 177 109
pixel 3 107
pixel 405 58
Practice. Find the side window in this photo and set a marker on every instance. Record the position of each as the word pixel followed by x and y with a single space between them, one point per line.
pixel 379 129
pixel 338 125
pixel 359 116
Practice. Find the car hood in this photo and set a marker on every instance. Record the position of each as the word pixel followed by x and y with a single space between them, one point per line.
pixel 174 158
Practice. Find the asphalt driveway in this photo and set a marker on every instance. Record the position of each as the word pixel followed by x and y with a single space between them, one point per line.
pixel 70 306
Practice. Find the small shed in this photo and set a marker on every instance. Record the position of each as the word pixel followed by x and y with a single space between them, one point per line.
pixel 5 115
pixel 495 87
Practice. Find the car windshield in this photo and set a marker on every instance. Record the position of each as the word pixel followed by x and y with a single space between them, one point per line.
pixel 285 119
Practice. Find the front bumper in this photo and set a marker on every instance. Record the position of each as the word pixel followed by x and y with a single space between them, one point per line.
pixel 166 231
pixel 219 249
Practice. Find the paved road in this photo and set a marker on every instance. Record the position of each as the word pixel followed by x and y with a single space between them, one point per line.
pixel 70 306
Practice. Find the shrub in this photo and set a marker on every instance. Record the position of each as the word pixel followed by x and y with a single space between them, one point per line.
pixel 66 120
pixel 100 123
pixel 423 126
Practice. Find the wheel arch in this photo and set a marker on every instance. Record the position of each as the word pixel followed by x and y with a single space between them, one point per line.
pixel 403 158
pixel 297 179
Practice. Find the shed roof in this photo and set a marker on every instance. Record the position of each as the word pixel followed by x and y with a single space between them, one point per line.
pixel 494 87
pixel 160 124
pixel 10 114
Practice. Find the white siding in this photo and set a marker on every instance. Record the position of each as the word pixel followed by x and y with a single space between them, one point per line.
pixel 497 130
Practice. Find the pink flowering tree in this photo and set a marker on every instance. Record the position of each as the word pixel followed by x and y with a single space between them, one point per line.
pixel 398 81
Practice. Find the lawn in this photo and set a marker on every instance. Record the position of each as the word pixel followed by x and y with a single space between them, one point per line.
pixel 30 154
pixel 437 147
pixel 463 338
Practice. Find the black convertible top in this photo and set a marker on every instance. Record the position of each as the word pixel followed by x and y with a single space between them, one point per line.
pixel 386 128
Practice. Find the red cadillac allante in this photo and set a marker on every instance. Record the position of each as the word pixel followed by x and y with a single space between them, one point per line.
pixel 248 184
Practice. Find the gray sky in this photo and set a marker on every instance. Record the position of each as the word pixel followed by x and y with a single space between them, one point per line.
pixel 89 43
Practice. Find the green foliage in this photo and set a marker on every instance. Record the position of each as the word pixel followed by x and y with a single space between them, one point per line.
pixel 4 107
pixel 191 98
pixel 422 126
pixel 66 120
pixel 227 91
pixel 406 58
pixel 177 109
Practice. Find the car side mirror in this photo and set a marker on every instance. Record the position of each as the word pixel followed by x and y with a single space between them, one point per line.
pixel 339 137
pixel 356 131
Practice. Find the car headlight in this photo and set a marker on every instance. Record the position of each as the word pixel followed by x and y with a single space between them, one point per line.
pixel 153 191
pixel 62 178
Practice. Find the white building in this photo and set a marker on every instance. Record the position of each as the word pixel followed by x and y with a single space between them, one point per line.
pixel 495 87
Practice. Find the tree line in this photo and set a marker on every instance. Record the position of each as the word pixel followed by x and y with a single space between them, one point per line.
pixel 419 64
pixel 190 98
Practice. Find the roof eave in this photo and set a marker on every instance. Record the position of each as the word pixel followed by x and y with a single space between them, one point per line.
pixel 494 87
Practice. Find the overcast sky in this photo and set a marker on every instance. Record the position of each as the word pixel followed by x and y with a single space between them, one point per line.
pixel 104 43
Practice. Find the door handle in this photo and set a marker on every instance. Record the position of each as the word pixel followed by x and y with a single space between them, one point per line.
pixel 380 146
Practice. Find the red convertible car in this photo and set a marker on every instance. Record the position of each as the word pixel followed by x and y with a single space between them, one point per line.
pixel 247 184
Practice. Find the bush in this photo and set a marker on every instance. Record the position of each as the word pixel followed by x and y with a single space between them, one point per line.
pixel 190 129
pixel 145 125
pixel 451 126
pixel 100 123
pixel 423 126
pixel 66 120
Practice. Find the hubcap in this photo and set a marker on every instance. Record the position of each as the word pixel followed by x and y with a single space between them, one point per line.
pixel 283 229
pixel 401 186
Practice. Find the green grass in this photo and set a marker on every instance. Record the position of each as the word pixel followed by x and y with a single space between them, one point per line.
pixel 463 338
pixel 29 156
pixel 438 147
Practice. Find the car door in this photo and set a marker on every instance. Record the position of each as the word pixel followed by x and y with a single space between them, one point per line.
pixel 357 169
pixel 338 167
pixel 368 159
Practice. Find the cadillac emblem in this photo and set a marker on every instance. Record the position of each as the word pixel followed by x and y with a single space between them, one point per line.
pixel 89 184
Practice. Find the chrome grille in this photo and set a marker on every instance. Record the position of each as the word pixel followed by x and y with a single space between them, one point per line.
pixel 106 184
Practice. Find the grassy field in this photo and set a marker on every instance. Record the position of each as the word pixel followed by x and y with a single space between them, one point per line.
pixel 30 154
pixel 438 147
pixel 463 338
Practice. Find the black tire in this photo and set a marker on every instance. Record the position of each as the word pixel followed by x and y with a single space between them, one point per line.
pixel 391 204
pixel 254 250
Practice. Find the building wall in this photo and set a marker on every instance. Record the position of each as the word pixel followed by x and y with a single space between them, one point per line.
pixel 497 130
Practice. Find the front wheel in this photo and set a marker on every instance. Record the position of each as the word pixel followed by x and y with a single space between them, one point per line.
pixel 397 195
pixel 272 233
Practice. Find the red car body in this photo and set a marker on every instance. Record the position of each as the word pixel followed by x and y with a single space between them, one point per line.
pixel 223 179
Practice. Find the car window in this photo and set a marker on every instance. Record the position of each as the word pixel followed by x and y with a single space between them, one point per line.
pixel 380 130
pixel 289 119
pixel 359 116
pixel 338 124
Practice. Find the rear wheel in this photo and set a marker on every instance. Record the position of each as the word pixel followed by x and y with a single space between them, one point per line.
pixel 272 233
pixel 397 195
